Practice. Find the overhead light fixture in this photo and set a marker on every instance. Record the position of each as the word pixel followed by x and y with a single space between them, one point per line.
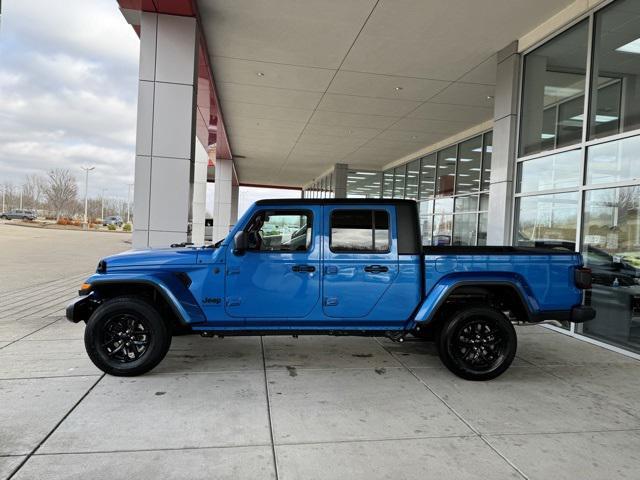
pixel 631 47
pixel 488 149
pixel 547 136
pixel 551 91
pixel 599 118
pixel 261 74
pixel 489 97
pixel 398 89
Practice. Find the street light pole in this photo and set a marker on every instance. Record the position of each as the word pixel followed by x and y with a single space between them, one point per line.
pixel 86 192
pixel 102 206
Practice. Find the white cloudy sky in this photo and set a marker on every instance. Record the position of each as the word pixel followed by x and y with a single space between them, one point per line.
pixel 68 94
pixel 68 91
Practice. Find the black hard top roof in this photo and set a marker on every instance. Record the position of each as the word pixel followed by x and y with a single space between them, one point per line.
pixel 335 201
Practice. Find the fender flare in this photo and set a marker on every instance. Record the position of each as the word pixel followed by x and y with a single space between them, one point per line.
pixel 439 294
pixel 182 303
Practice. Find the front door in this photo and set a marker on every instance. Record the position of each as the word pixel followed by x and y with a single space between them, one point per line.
pixel 360 258
pixel 278 276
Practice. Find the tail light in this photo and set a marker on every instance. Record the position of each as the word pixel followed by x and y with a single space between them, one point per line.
pixel 582 278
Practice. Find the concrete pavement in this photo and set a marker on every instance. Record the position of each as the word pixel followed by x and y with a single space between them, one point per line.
pixel 307 408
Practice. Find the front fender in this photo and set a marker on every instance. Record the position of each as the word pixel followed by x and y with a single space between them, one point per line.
pixel 175 293
pixel 439 293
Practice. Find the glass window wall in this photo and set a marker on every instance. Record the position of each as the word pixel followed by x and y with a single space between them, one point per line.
pixel 615 96
pixel 469 161
pixel 399 182
pixel 553 92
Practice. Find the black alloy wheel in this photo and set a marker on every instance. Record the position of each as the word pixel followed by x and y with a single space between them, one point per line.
pixel 477 343
pixel 127 336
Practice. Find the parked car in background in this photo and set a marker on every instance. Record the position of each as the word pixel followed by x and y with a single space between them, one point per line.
pixel 113 220
pixel 19 214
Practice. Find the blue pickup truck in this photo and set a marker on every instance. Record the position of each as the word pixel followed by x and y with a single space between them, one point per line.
pixel 330 267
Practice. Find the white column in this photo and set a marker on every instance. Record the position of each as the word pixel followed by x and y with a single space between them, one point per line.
pixel 199 203
pixel 340 174
pixel 504 147
pixel 225 199
pixel 165 133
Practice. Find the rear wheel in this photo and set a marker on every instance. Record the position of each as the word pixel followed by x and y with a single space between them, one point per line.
pixel 126 336
pixel 477 343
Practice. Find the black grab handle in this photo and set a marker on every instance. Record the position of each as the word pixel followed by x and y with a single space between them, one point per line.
pixel 376 268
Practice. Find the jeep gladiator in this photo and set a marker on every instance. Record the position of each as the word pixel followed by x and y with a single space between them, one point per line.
pixel 330 267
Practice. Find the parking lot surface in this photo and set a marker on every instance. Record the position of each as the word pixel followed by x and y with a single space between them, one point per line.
pixel 307 408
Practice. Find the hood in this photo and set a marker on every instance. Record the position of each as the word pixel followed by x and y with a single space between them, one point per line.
pixel 153 257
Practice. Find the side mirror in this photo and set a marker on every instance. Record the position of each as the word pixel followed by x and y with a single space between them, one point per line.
pixel 240 242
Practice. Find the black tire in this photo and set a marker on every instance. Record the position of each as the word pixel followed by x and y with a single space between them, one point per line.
pixel 477 343
pixel 126 336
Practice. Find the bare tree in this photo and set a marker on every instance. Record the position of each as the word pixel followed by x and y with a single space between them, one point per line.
pixel 61 192
pixel 33 188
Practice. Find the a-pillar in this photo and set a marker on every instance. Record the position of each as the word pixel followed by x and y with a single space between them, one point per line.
pixel 225 199
pixel 165 132
pixel 504 147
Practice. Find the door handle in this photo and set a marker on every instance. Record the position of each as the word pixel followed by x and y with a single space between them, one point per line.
pixel 303 268
pixel 376 268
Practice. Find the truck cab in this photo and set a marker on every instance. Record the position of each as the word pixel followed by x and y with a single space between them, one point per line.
pixel 332 267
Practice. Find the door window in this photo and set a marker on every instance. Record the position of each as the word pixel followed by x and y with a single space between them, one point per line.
pixel 359 231
pixel 280 231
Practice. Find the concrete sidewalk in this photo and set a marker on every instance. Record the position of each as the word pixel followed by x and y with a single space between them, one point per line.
pixel 311 408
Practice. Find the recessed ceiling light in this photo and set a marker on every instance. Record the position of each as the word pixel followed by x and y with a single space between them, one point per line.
pixel 261 74
pixel 398 89
pixel 631 47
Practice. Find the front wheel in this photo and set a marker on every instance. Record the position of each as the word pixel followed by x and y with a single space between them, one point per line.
pixel 126 336
pixel 477 343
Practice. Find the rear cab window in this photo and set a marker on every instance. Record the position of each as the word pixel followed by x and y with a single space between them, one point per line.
pixel 359 231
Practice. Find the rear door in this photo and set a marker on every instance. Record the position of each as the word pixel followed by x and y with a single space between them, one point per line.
pixel 360 258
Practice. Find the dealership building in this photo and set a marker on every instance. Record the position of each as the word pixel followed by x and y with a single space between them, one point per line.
pixel 510 122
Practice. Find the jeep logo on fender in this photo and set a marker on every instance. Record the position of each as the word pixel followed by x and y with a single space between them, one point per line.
pixel 211 300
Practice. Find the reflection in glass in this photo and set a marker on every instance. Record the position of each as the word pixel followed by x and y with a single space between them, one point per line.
pixel 426 220
pixel 486 160
pixel 611 248
pixel 468 173
pixel 483 219
pixel 547 220
pixel 464 229
pixel 561 170
pixel 554 82
pixel 353 231
pixel 427 176
pixel 615 97
pixel 387 185
pixel 442 229
pixel 445 173
pixel 614 161
pixel 484 202
pixel 413 174
pixel 398 186
pixel 466 204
